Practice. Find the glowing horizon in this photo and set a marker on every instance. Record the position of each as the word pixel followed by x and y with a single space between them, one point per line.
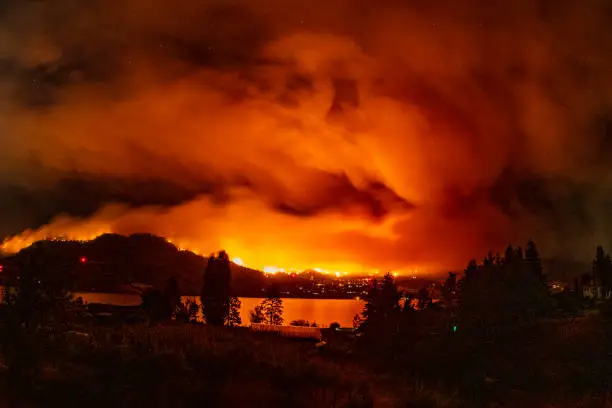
pixel 15 244
pixel 294 138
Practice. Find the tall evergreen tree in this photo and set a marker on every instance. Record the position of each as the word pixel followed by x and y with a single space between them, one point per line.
pixel 173 294
pixel 504 292
pixel 272 306
pixel 216 289
pixel 450 293
pixel 369 315
pixel 233 316
pixel 424 299
pixel 602 269
pixel 256 315
pixel 533 263
pixel 540 293
pixel 382 308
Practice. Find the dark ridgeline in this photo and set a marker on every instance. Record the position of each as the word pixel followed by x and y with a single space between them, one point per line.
pixel 113 263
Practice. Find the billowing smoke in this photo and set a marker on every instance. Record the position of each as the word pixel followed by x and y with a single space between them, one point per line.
pixel 350 135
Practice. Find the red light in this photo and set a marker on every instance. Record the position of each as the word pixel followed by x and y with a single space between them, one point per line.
pixel 1 268
pixel 83 259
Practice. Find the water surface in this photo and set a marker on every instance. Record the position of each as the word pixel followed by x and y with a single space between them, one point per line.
pixel 322 311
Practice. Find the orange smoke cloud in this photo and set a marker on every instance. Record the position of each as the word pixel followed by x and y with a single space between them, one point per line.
pixel 350 137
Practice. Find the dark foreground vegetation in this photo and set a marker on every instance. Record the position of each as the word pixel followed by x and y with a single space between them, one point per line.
pixel 497 339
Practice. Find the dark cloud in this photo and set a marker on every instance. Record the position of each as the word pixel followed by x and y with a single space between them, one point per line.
pixel 338 194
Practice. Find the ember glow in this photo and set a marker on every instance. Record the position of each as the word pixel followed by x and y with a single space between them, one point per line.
pixel 356 137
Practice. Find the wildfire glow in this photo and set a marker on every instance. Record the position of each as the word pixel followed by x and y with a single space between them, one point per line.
pixel 15 244
pixel 313 144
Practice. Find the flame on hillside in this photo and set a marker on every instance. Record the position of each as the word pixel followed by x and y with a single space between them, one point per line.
pixel 263 252
pixel 14 245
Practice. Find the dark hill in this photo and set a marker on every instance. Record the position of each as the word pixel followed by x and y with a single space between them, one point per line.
pixel 111 262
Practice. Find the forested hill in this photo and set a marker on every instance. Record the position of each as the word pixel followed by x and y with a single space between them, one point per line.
pixel 111 263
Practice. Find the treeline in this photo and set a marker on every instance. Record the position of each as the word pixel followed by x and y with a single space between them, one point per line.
pixel 499 292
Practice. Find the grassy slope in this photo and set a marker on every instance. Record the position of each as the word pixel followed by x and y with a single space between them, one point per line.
pixel 560 363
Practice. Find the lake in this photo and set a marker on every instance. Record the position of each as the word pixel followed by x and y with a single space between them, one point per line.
pixel 322 311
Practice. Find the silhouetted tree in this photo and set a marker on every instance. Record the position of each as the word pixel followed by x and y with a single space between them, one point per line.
pixel 450 294
pixel 537 300
pixel 382 310
pixel 216 289
pixel 173 294
pixel 188 311
pixel 157 305
pixel 304 323
pixel 233 316
pixel 370 313
pixel 40 296
pixel 533 263
pixel 424 299
pixel 272 306
pixel 164 305
pixel 36 311
pixel 504 291
pixel 602 269
pixel 357 321
pixel 257 315
pixel 300 323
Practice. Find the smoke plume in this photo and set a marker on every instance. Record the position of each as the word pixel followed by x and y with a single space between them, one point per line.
pixel 348 135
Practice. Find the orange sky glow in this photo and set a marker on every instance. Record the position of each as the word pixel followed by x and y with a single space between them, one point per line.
pixel 356 137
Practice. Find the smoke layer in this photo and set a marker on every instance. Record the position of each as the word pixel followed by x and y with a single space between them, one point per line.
pixel 350 135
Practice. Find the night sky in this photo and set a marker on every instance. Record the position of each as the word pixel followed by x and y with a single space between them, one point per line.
pixel 348 135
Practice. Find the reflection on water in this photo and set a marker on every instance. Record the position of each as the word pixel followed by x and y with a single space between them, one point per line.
pixel 322 311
